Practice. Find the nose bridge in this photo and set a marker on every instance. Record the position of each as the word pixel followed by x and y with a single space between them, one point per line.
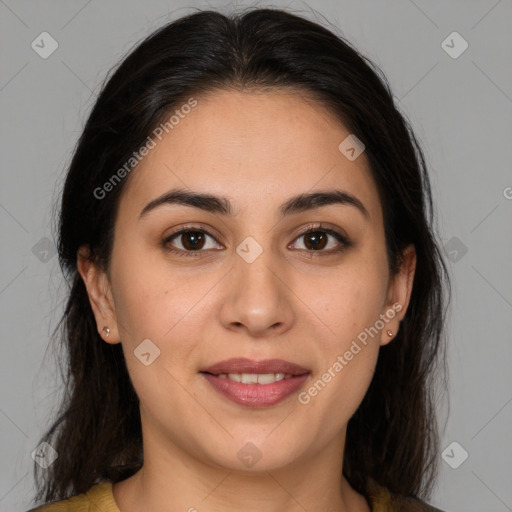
pixel 255 268
pixel 257 297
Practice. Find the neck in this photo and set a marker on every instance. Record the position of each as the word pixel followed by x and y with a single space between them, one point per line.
pixel 172 480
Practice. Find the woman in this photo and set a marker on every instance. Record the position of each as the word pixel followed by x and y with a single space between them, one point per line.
pixel 257 297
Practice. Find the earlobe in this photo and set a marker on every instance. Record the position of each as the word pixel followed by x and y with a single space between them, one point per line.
pixel 399 294
pixel 100 295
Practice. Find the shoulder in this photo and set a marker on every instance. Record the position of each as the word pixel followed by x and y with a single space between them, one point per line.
pixel 403 504
pixel 384 501
pixel 99 495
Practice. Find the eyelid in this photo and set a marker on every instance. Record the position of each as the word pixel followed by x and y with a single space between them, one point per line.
pixel 208 230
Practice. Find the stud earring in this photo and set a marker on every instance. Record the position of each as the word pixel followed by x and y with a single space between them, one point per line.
pixel 106 330
pixel 390 333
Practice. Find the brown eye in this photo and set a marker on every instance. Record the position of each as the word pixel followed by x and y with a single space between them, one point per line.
pixel 192 240
pixel 315 240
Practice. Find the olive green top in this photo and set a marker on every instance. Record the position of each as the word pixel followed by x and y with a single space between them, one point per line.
pixel 99 498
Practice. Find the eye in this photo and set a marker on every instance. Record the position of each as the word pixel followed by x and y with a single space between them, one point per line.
pixel 188 241
pixel 317 238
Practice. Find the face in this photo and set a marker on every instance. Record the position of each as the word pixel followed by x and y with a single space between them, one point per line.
pixel 284 259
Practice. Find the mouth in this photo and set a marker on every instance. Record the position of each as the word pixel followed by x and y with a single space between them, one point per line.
pixel 255 383
pixel 254 378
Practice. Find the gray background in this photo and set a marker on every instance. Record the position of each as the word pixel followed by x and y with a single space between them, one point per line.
pixel 460 108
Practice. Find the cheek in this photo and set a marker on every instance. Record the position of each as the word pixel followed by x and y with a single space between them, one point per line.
pixel 350 304
pixel 334 397
pixel 351 300
pixel 171 309
pixel 152 299
pixel 154 303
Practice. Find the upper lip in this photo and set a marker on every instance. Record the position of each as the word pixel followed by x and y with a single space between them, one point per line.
pixel 244 365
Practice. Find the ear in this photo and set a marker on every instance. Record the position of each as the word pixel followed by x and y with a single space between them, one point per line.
pixel 399 294
pixel 100 295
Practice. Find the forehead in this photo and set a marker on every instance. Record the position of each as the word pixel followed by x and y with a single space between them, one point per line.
pixel 252 146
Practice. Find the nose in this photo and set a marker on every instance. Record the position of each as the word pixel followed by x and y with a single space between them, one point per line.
pixel 258 298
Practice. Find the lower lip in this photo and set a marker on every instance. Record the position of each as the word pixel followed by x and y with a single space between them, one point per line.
pixel 256 395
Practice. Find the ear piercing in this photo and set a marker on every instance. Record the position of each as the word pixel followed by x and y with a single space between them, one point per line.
pixel 389 333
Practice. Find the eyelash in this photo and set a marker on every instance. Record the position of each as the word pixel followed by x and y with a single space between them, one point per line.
pixel 341 238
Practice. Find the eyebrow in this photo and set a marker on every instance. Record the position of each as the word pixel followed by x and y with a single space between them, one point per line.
pixel 222 205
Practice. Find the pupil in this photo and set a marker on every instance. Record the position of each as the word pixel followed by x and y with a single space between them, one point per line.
pixel 317 239
pixel 192 240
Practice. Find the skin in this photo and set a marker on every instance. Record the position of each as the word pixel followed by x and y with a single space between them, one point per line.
pixel 292 302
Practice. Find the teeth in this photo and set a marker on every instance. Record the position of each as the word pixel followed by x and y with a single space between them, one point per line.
pixel 269 378
pixel 255 378
pixel 247 378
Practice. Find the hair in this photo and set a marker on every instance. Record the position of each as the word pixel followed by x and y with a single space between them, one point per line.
pixel 392 438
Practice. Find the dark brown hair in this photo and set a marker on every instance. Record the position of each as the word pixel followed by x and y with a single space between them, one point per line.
pixel 392 438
